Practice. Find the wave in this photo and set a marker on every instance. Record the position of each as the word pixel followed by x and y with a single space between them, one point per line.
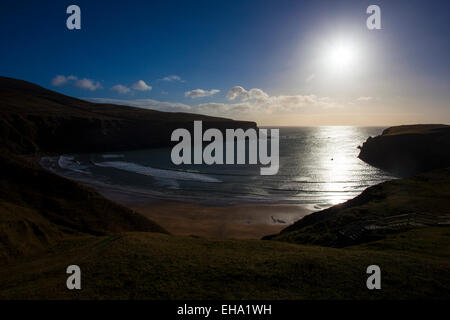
pixel 69 163
pixel 157 173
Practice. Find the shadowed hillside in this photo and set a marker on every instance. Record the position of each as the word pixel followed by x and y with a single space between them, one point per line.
pixel 387 208
pixel 34 119
pixel 156 266
pixel 37 208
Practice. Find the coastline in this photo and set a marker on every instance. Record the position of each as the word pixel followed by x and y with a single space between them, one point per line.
pixel 241 221
pixel 211 220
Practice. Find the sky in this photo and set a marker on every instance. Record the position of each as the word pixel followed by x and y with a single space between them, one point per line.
pixel 279 63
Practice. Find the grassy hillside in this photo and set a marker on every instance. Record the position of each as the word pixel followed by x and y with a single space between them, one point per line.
pixel 156 266
pixel 34 119
pixel 38 208
pixel 391 207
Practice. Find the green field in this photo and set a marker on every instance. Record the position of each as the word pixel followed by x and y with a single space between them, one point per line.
pixel 414 265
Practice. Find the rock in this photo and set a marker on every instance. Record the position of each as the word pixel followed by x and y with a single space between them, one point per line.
pixel 408 150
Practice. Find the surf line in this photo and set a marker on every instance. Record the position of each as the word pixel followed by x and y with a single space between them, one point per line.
pixel 213 153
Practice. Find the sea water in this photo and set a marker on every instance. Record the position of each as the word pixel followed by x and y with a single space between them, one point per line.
pixel 319 167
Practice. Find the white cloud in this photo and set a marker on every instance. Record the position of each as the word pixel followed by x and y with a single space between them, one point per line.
pixel 256 103
pixel 173 78
pixel 62 80
pixel 239 92
pixel 141 86
pixel 198 93
pixel 365 98
pixel 120 89
pixel 88 84
pixel 311 78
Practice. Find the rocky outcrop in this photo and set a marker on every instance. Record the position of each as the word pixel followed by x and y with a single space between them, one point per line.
pixel 408 150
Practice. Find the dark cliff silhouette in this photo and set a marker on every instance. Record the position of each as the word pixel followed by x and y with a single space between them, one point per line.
pixel 34 119
pixel 408 150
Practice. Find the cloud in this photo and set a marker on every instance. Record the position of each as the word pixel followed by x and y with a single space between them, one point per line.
pixel 240 92
pixel 141 86
pixel 62 80
pixel 198 93
pixel 237 92
pixel 88 84
pixel 364 99
pixel 120 89
pixel 173 78
pixel 256 103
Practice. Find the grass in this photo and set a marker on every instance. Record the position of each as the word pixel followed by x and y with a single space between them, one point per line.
pixel 38 208
pixel 415 129
pixel 156 266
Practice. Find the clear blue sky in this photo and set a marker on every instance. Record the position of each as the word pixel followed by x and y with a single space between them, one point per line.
pixel 400 74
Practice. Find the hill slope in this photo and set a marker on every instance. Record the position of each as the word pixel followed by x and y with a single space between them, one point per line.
pixel 387 208
pixel 156 266
pixel 34 119
pixel 38 208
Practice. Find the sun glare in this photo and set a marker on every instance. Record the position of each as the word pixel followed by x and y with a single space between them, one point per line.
pixel 341 57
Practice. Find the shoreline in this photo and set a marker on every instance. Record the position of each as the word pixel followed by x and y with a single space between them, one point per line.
pixel 244 221
pixel 209 220
pixel 238 221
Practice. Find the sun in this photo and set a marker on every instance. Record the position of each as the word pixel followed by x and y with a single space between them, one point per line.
pixel 341 56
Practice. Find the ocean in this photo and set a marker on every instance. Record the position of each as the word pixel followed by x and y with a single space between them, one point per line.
pixel 318 168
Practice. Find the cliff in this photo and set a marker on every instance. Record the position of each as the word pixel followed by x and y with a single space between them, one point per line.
pixel 408 150
pixel 34 119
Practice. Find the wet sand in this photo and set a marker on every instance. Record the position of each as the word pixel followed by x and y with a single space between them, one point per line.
pixel 250 221
pixel 237 222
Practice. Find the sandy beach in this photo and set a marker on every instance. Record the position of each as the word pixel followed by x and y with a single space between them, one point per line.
pixel 244 221
pixel 237 222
